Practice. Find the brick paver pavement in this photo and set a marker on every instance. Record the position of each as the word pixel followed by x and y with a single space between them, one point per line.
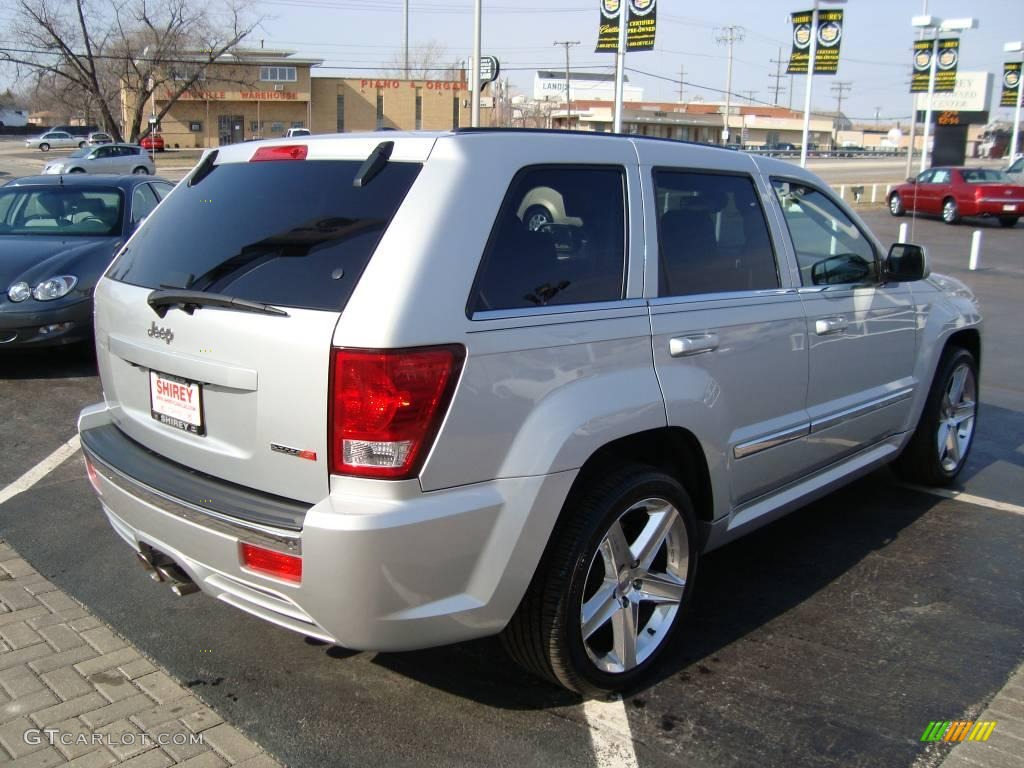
pixel 74 693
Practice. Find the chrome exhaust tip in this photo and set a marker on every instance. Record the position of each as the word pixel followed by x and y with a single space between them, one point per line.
pixel 146 561
pixel 183 588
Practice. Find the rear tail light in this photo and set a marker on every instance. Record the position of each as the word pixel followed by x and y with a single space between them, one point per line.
pixel 386 407
pixel 280 152
pixel 94 478
pixel 271 563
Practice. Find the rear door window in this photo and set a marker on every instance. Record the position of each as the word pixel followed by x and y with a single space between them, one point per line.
pixel 559 238
pixel 712 235
pixel 288 233
pixel 143 203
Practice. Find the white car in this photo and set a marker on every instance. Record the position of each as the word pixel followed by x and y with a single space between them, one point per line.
pixel 106 158
pixel 59 139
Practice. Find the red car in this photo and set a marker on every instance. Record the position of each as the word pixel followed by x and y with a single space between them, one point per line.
pixel 954 193
pixel 152 143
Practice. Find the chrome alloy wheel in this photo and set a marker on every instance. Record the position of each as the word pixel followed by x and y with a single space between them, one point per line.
pixel 895 205
pixel 956 418
pixel 949 212
pixel 635 584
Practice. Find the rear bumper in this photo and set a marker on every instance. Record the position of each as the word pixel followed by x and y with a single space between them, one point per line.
pixel 998 207
pixel 23 330
pixel 384 567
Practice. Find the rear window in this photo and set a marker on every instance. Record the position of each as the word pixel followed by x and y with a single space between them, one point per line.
pixel 294 234
pixel 984 176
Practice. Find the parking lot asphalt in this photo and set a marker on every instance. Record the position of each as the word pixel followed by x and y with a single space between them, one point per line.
pixel 830 638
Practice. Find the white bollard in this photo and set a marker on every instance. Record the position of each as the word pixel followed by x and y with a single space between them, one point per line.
pixel 842 191
pixel 975 250
pixel 874 190
pixel 903 232
pixel 888 189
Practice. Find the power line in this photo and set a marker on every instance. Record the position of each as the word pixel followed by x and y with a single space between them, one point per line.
pixel 729 36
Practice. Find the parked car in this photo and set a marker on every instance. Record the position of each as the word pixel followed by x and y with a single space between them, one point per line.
pixel 76 130
pixel 151 143
pixel 294 132
pixel 56 139
pixel 402 433
pixel 107 158
pixel 56 237
pixel 1016 171
pixel 956 192
pixel 99 138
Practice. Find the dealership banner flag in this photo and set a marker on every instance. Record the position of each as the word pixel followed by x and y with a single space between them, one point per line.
pixel 945 69
pixel 1011 83
pixel 830 36
pixel 643 23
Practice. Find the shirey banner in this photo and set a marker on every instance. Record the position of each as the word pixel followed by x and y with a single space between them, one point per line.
pixel 945 70
pixel 643 24
pixel 830 36
pixel 1011 83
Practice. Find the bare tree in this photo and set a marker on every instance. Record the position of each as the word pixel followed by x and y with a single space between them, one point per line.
pixel 91 50
pixel 427 61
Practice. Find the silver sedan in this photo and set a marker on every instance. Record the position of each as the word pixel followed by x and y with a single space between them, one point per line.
pixel 106 158
pixel 56 139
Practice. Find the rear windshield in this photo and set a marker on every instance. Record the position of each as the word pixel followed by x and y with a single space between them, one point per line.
pixel 288 233
pixel 984 176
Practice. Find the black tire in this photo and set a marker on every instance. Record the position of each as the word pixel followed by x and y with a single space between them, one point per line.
pixel 44 147
pixel 140 171
pixel 537 216
pixel 896 207
pixel 545 635
pixel 81 144
pixel 950 211
pixel 920 461
pixel 1009 222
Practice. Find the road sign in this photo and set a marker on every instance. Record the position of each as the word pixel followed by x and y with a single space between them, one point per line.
pixel 489 69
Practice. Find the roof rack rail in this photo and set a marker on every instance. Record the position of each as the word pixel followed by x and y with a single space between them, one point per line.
pixel 590 134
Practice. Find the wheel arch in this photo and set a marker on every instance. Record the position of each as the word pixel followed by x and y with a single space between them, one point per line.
pixel 969 339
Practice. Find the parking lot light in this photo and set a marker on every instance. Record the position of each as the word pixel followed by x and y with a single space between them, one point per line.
pixel 1016 47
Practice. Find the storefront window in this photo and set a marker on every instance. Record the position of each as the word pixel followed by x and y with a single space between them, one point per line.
pixel 380 109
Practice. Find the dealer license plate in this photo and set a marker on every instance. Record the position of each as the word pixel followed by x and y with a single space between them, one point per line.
pixel 176 402
pixel 1009 207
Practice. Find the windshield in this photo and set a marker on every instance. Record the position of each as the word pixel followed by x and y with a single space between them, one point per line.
pixel 80 152
pixel 984 175
pixel 294 234
pixel 63 211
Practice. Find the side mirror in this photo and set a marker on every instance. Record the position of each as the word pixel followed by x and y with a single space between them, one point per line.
pixel 841 269
pixel 906 263
pixel 912 180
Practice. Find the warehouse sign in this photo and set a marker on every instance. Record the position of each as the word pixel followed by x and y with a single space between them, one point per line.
pixel 240 96
pixel 826 53
pixel 945 68
pixel 1011 84
pixel 642 25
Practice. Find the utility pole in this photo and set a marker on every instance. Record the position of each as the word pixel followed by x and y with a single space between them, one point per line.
pixel 839 88
pixel 777 78
pixel 475 67
pixel 729 36
pixel 750 95
pixel 405 38
pixel 567 44
pixel 682 79
pixel 878 111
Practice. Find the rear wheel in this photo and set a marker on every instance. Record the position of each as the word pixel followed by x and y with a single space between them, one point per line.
pixel 140 171
pixel 950 211
pixel 610 592
pixel 537 216
pixel 942 441
pixel 1008 221
pixel 896 205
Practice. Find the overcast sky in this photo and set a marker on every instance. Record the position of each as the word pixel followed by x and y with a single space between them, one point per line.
pixel 356 36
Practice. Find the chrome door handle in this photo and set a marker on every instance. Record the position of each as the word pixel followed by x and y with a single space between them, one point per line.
pixel 828 325
pixel 684 346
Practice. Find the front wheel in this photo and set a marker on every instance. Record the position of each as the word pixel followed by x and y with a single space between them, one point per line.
pixel 1009 222
pixel 610 592
pixel 81 144
pixel 896 205
pixel 950 211
pixel 939 447
pixel 44 147
pixel 140 171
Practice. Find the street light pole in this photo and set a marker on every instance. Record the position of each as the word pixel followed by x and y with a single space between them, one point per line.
pixel 620 68
pixel 475 67
pixel 932 67
pixel 812 55
pixel 1016 47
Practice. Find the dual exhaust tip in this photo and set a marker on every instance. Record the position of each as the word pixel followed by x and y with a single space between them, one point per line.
pixel 162 568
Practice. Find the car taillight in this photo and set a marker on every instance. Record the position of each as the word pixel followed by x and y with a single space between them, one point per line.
pixel 386 407
pixel 287 567
pixel 280 152
pixel 94 478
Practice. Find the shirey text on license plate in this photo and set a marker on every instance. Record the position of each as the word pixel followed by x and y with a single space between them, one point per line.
pixel 176 402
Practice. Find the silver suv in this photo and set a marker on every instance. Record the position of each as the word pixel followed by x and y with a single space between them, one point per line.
pixel 357 388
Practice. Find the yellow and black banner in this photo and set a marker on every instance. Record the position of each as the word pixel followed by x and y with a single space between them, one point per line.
pixel 1011 84
pixel 826 54
pixel 643 24
pixel 945 69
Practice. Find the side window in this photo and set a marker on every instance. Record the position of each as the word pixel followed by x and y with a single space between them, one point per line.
pixel 560 238
pixel 925 177
pixel 830 249
pixel 712 235
pixel 940 177
pixel 143 203
pixel 1017 167
pixel 162 189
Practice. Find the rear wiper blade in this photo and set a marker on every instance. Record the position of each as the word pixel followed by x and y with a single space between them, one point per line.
pixel 161 300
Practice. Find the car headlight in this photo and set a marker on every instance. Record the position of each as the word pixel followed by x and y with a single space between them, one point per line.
pixel 19 291
pixel 54 288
